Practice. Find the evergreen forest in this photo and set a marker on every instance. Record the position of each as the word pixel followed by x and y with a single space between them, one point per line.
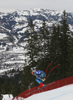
pixel 43 46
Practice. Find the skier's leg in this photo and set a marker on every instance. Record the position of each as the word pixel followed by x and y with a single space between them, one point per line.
pixel 40 82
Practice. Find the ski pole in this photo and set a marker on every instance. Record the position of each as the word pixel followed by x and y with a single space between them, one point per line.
pixel 48 67
pixel 52 69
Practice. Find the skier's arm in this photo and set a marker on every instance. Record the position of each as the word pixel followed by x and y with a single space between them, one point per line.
pixel 39 77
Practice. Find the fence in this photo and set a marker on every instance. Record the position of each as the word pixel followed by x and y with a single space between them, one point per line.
pixel 49 86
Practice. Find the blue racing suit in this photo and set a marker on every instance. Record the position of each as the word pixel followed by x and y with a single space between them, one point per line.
pixel 39 76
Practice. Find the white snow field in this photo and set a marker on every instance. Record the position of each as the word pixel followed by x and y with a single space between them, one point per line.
pixel 62 93
pixel 7 97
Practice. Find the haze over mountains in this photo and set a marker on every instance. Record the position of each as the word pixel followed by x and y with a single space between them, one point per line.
pixel 12 34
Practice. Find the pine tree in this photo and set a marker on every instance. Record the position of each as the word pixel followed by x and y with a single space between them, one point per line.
pixel 55 50
pixel 70 68
pixel 44 47
pixel 64 47
pixel 55 44
pixel 31 43
pixel 32 53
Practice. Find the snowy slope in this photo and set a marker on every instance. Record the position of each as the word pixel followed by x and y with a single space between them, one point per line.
pixel 63 93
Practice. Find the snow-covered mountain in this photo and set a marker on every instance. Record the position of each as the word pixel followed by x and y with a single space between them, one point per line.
pixel 12 34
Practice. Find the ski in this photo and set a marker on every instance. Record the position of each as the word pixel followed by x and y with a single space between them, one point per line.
pixel 40 88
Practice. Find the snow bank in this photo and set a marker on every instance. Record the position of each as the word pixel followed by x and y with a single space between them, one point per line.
pixel 63 93
pixel 7 97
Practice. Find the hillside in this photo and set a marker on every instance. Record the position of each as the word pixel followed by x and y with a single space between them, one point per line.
pixel 12 34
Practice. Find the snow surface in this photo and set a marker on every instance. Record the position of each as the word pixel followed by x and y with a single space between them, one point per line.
pixel 62 93
pixel 7 97
pixel 2 35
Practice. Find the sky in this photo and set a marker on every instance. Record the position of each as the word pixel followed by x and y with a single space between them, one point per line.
pixel 11 5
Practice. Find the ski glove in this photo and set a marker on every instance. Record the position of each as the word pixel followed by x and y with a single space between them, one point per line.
pixel 43 79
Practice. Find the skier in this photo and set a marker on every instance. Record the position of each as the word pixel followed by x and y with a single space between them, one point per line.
pixel 40 77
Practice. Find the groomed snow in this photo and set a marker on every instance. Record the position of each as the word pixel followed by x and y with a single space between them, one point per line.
pixel 63 93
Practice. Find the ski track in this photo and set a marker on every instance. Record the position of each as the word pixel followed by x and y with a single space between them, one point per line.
pixel 59 96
